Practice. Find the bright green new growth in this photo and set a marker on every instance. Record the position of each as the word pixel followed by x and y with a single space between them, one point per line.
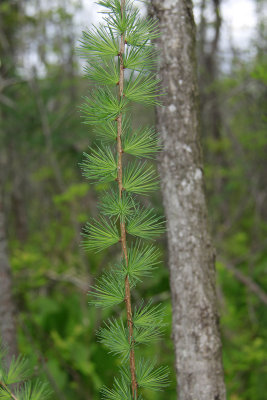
pixel 120 60
pixel 19 374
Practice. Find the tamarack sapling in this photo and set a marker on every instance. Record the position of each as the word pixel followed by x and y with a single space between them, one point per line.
pixel 120 61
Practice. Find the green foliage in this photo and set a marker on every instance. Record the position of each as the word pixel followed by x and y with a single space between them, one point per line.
pixel 122 24
pixel 142 89
pixel 113 205
pixel 18 370
pixel 146 334
pixel 107 132
pixel 109 290
pixel 115 337
pixel 148 376
pixel 102 106
pixel 99 42
pixel 142 260
pixel 33 391
pixel 145 224
pixel 106 73
pixel 142 31
pixel 234 179
pixel 112 5
pixel 19 373
pixel 141 143
pixel 98 235
pixel 120 391
pixel 140 58
pixel 121 214
pixel 148 315
pixel 100 165
pixel 139 178
pixel 50 271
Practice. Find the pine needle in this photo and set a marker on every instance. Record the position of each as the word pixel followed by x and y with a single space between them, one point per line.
pixel 102 106
pixel 98 235
pixel 142 260
pixel 139 178
pixel 113 205
pixel 143 89
pixel 152 378
pixel 105 73
pixel 18 370
pixel 99 165
pixel 99 41
pixel 115 337
pixel 108 291
pixel 120 391
pixel 141 143
pixel 145 224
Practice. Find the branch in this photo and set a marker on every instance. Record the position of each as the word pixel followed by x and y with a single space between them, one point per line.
pixel 248 282
pixel 81 284
pixel 122 224
pixel 13 397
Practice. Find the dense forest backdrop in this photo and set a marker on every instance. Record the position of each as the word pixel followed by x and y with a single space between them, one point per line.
pixel 46 201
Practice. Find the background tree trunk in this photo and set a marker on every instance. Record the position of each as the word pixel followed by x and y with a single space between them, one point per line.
pixel 9 160
pixel 7 309
pixel 191 255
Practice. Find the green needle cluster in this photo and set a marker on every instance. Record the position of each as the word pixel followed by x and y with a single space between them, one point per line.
pixel 16 382
pixel 120 59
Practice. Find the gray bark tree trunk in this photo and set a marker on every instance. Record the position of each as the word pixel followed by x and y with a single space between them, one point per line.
pixel 191 254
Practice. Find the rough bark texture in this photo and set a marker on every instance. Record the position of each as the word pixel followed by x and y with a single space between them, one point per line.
pixel 191 254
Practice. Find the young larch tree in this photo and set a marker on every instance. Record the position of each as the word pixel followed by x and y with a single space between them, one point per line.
pixel 120 61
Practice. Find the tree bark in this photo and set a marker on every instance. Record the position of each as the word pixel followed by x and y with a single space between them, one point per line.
pixel 191 254
pixel 7 309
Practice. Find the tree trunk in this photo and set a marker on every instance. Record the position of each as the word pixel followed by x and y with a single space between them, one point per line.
pixel 191 254
pixel 7 319
pixel 9 18
pixel 208 75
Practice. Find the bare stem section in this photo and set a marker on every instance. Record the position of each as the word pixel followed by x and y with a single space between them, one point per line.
pixel 122 224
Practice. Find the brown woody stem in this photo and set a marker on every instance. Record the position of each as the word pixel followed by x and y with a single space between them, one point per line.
pixel 122 224
pixel 12 396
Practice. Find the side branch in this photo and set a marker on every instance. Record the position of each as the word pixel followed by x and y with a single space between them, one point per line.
pixel 248 282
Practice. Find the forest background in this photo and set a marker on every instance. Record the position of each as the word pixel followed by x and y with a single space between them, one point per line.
pixel 46 201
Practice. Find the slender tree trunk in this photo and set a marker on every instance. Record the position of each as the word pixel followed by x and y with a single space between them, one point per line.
pixel 210 99
pixel 208 78
pixel 7 309
pixel 208 63
pixel 9 19
pixel 191 254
